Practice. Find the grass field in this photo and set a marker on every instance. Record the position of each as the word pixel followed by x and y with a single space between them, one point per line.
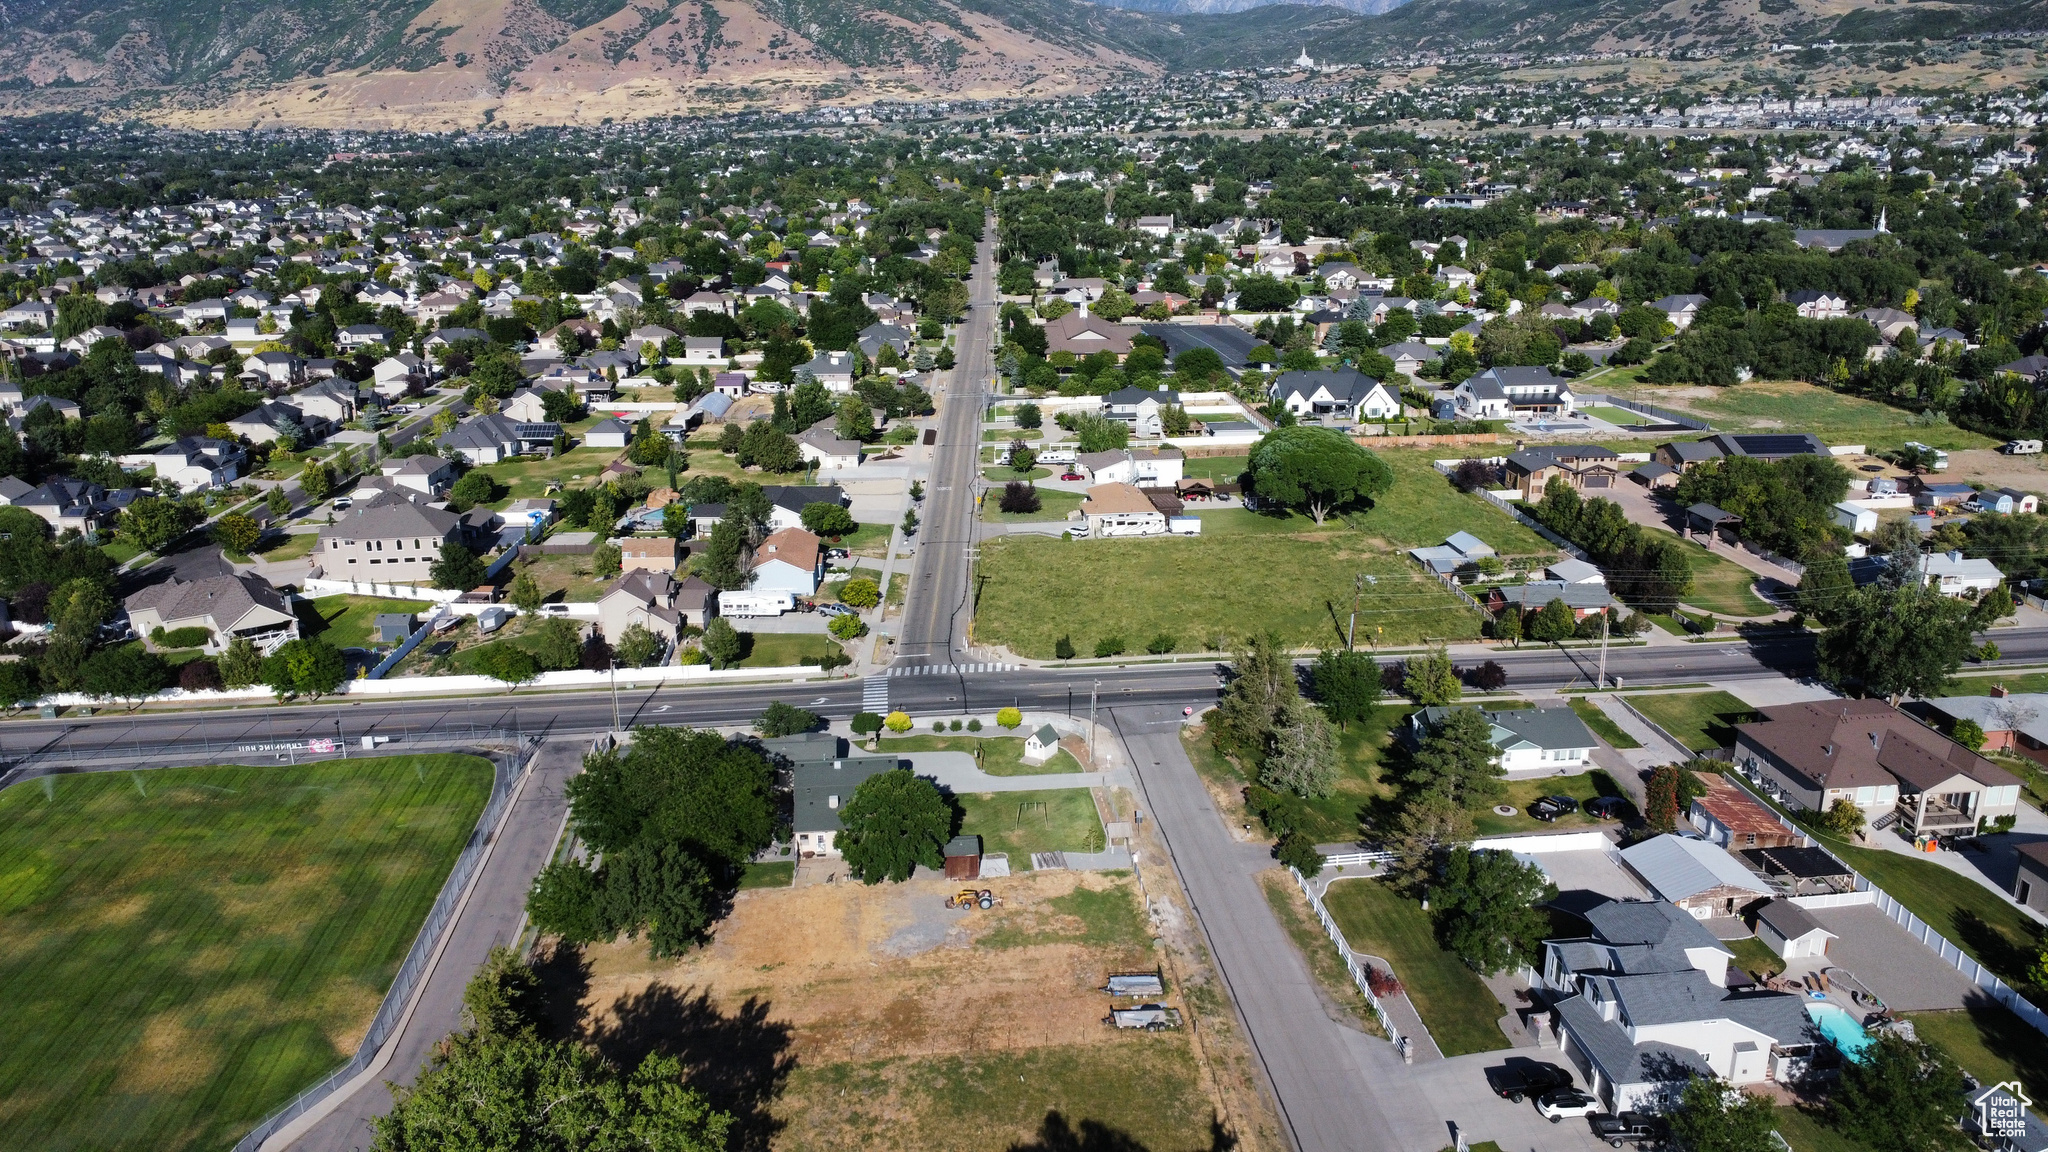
pixel 1362 787
pixel 1004 474
pixel 869 540
pixel 293 546
pixel 1423 508
pixel 1797 406
pixel 1224 468
pixel 1000 755
pixel 1602 726
pixel 1806 1131
pixel 1698 720
pixel 186 948
pixel 1021 823
pixel 1209 591
pixel 1721 586
pixel 1990 1042
pixel 1754 956
pixel 1522 793
pixel 351 621
pixel 1461 1014
pixel 787 649
pixel 1053 504
pixel 772 874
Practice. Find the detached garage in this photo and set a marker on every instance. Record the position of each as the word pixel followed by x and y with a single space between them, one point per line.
pixel 1790 932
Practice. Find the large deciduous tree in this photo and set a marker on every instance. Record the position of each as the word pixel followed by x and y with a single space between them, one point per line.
pixel 1485 908
pixel 1316 470
pixel 894 823
pixel 1900 1095
pixel 1347 685
pixel 1458 760
pixel 1715 1116
pixel 1895 641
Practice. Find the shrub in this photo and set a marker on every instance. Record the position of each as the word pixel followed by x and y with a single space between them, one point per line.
pixel 1109 646
pixel 847 627
pixel 898 722
pixel 938 725
pixel 860 592
pixel 1009 717
pixel 1161 644
pixel 200 676
pixel 1020 497
pixel 1300 853
pixel 974 725
pixel 955 725
pixel 866 723
pixel 191 637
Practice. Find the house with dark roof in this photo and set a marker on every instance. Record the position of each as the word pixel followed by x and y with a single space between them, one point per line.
pixel 786 502
pixel 1532 741
pixel 823 777
pixel 80 504
pixel 1345 393
pixel 393 539
pixel 1583 466
pixel 227 607
pixel 1897 770
pixel 1500 393
pixel 1583 597
pixel 1769 447
pixel 491 438
pixel 653 599
pixel 1644 1005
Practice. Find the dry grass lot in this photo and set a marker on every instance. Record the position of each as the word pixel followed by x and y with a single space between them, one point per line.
pixel 872 1026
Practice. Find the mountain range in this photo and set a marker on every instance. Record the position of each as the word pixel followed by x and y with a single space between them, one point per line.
pixel 455 63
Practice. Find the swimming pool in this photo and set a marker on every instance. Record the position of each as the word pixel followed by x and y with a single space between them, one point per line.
pixel 1840 1027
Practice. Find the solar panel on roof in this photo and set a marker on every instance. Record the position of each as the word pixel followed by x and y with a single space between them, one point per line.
pixel 1774 445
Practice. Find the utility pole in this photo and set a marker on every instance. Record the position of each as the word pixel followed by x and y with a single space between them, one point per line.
pixel 1351 630
pixel 615 695
pixel 1091 720
pixel 1602 682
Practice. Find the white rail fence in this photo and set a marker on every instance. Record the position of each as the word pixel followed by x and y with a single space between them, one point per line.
pixel 1351 964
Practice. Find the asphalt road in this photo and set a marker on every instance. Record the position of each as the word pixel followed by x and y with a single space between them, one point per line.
pixel 934 625
pixel 490 917
pixel 122 740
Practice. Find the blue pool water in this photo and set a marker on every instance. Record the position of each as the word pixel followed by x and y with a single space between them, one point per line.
pixel 1840 1027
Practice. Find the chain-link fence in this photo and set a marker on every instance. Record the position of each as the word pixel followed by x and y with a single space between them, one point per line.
pixel 510 766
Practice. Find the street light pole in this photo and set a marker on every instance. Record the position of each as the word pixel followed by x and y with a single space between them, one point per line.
pixel 1091 720
pixel 615 695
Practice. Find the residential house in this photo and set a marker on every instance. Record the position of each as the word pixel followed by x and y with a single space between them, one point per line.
pixel 791 560
pixel 609 433
pixel 879 335
pixel 1810 755
pixel 194 463
pixel 2011 721
pixel 1121 510
pixel 528 405
pixel 1345 393
pixel 275 369
pixel 1146 467
pixel 648 554
pixel 1584 599
pixel 1700 878
pixel 648 597
pixel 427 475
pixel 228 607
pixel 1644 1006
pixel 1084 335
pixel 1532 741
pixel 359 336
pixel 822 780
pixel 1790 931
pixel 1685 455
pixel 1410 357
pixel 1770 447
pixel 1680 310
pixel 786 502
pixel 1140 408
pixel 820 444
pixel 328 404
pixel 490 439
pixel 1954 574
pixel 1889 322
pixel 1159 227
pixel 1498 393
pixel 2030 882
pixel 832 369
pixel 393 539
pixel 1583 466
pixel 1460 552
pixel 1733 819
pixel 708 351
pixel 79 504
pixel 1818 304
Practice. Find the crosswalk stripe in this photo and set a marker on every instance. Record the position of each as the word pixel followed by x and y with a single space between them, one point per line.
pixel 949 669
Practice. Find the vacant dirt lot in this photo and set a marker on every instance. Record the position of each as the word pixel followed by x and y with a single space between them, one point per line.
pixel 842 1016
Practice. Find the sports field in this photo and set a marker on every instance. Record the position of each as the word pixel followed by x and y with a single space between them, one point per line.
pixel 184 949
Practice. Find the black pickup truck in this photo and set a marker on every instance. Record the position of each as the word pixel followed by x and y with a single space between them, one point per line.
pixel 1520 1078
pixel 1627 1128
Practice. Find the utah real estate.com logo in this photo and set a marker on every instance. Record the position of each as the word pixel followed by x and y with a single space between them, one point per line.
pixel 2002 1110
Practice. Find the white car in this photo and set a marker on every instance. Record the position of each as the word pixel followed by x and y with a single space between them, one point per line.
pixel 1555 1106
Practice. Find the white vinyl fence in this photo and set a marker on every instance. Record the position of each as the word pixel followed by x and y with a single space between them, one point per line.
pixel 1351 965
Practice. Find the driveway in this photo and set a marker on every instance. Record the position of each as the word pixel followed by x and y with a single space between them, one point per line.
pixel 1456 1089
pixel 1653 512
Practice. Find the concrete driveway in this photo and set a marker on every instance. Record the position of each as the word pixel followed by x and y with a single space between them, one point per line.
pixel 1456 1090
pixel 1902 971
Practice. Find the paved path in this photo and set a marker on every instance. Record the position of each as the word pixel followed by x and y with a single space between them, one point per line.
pixel 1333 1094
pixel 494 911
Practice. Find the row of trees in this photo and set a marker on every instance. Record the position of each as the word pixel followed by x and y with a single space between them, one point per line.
pixel 1647 569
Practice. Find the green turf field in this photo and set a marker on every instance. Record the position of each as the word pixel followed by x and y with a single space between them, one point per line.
pixel 184 949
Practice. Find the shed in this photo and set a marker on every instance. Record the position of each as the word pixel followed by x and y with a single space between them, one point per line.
pixel 1733 819
pixel 1040 745
pixel 1855 517
pixel 1656 475
pixel 393 627
pixel 963 858
pixel 1707 518
pixel 608 433
pixel 1791 931
pixel 1695 875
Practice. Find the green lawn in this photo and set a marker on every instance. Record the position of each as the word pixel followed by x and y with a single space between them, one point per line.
pixel 1362 787
pixel 1250 574
pixel 1423 508
pixel 1996 934
pixel 1224 468
pixel 351 621
pixel 1000 755
pixel 773 874
pixel 1003 474
pixel 121 549
pixel 1522 793
pixel 1053 504
pixel 1021 823
pixel 293 546
pixel 529 476
pixel 1284 897
pixel 1698 720
pixel 1602 726
pixel 787 649
pixel 1990 1042
pixel 1807 1132
pixel 1721 586
pixel 1613 415
pixel 1835 417
pixel 1982 685
pixel 1754 956
pixel 869 540
pixel 186 948
pixel 1460 1013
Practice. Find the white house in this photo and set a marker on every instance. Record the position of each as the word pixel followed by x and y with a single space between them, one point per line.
pixel 1040 745
pixel 1151 467
pixel 1345 393
pixel 1954 574
pixel 821 445
pixel 832 369
pixel 1790 931
pixel 1498 393
pixel 1818 304
pixel 791 560
pixel 1532 741
pixel 611 433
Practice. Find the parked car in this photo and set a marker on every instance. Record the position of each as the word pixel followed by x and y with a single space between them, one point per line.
pixel 1627 1128
pixel 1070 475
pixel 554 609
pixel 834 610
pixel 1555 1106
pixel 1521 1077
pixel 1564 803
pixel 1548 809
pixel 1606 807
